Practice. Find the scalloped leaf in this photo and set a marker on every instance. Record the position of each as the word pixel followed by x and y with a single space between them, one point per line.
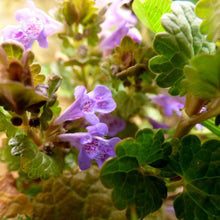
pixel 150 12
pixel 76 195
pixel 199 167
pixel 14 50
pixel 13 163
pixel 35 70
pixel 33 162
pixel 203 76
pixel 182 41
pixel 130 185
pixel 209 11
pixel 147 148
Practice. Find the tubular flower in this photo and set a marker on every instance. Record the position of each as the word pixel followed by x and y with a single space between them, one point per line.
pixel 114 123
pixel 34 25
pixel 86 105
pixel 122 22
pixel 92 145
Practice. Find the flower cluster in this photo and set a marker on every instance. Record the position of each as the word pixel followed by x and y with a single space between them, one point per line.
pixel 34 25
pixel 121 18
pixel 92 145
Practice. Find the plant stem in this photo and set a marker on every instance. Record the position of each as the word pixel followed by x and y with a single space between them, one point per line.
pixel 84 77
pixel 187 122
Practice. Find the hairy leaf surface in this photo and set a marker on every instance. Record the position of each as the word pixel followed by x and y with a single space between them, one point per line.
pixel 178 45
pixel 33 162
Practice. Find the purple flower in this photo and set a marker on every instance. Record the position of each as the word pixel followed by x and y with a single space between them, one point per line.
pixel 114 123
pixel 157 124
pixel 124 22
pixel 170 103
pixel 86 105
pixel 92 145
pixel 35 25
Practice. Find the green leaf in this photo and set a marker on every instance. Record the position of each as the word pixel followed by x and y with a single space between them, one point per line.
pixel 6 126
pixel 35 70
pixel 16 97
pixel 203 76
pixel 76 195
pixel 79 11
pixel 13 163
pixel 13 50
pixel 54 82
pixel 209 124
pixel 175 48
pixel 150 12
pixel 128 104
pixel 200 171
pixel 209 11
pixel 51 108
pixel 130 185
pixel 147 149
pixel 33 162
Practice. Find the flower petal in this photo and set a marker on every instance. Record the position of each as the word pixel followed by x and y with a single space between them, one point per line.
pixel 100 92
pixel 79 91
pixel 42 40
pixel 73 112
pixel 106 106
pixel 76 138
pixel 91 118
pixel 99 129
pixel 115 124
pixel 83 160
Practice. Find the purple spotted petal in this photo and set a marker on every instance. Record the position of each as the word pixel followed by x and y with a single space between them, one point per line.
pixel 106 149
pixel 84 160
pixel 16 33
pixel 91 147
pixel 86 105
pixel 115 124
pixel 34 25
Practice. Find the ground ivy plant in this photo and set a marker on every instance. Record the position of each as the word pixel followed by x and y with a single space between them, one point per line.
pixel 121 121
